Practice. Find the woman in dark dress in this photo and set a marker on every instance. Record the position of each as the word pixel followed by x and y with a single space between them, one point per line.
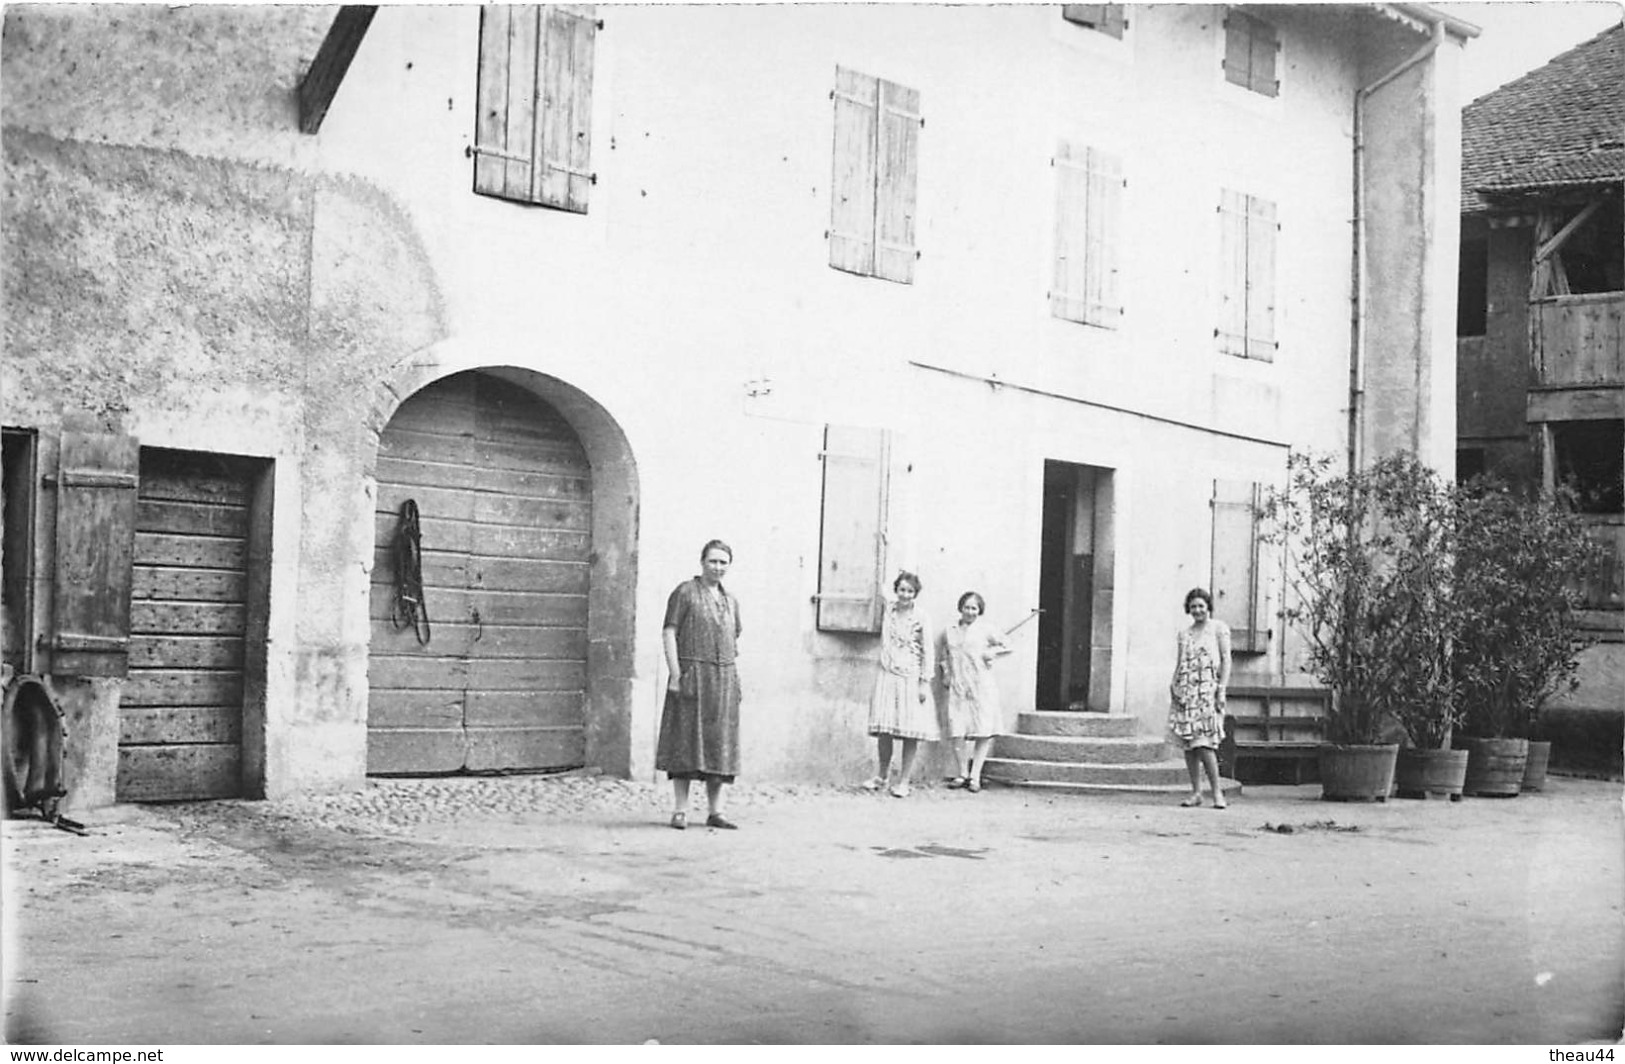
pixel 699 726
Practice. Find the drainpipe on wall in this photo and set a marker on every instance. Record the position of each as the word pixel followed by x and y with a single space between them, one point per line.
pixel 1357 330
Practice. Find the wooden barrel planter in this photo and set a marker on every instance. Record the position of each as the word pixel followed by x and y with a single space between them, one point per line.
pixel 1357 773
pixel 1534 770
pixel 1495 767
pixel 1425 773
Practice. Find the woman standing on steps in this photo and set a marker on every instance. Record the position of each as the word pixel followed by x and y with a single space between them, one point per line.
pixel 900 706
pixel 1196 713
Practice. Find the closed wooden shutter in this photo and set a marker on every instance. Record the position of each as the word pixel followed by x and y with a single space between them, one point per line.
pixel 1088 205
pixel 564 117
pixel 1263 45
pixel 1238 49
pixel 1261 232
pixel 851 552
pixel 95 538
pixel 898 175
pixel 852 195
pixel 1105 189
pixel 1232 327
pixel 1238 592
pixel 533 128
pixel 1250 45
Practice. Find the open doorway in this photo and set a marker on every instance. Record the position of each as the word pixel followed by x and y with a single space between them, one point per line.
pixel 1075 589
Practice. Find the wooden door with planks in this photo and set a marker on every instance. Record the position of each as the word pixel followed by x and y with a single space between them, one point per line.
pixel 181 712
pixel 496 680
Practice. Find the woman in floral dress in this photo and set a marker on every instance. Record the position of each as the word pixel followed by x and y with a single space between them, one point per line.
pixel 973 696
pixel 1196 715
pixel 900 706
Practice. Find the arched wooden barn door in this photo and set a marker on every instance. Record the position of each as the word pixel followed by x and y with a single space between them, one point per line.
pixel 503 493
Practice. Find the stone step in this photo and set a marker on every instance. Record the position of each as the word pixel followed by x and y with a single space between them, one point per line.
pixel 1081 725
pixel 1148 774
pixel 1079 749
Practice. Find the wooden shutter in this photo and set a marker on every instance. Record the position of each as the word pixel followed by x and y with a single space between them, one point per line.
pixel 896 179
pixel 1261 230
pixel 1088 205
pixel 533 130
pixel 564 113
pixel 1262 46
pixel 851 549
pixel 1238 593
pixel 95 539
pixel 506 97
pixel 852 191
pixel 1238 49
pixel 1105 194
pixel 1107 18
pixel 1232 327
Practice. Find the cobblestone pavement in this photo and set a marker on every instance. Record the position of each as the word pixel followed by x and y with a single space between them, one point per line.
pixel 561 909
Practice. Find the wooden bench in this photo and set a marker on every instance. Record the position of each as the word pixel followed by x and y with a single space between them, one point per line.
pixel 1273 723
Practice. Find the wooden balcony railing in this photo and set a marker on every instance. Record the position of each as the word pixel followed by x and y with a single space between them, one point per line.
pixel 1576 341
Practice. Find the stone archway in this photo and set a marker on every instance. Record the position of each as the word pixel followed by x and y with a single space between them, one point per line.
pixel 610 556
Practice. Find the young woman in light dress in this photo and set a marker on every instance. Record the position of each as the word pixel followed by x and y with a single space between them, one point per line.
pixel 974 713
pixel 900 707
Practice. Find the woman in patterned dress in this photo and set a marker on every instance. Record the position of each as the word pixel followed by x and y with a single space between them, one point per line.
pixel 699 725
pixel 900 706
pixel 973 696
pixel 1196 715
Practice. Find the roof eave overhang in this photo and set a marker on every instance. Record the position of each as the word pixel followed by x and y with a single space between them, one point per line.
pixel 1423 17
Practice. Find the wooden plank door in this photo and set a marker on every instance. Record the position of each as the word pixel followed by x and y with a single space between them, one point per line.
pixel 181 711
pixel 504 497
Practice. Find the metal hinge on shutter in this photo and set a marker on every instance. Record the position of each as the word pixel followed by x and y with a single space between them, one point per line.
pixel 89 478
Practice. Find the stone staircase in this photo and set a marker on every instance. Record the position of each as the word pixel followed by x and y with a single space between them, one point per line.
pixel 1076 751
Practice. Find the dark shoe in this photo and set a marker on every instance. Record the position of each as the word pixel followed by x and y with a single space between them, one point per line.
pixel 679 821
pixel 717 820
pixel 956 783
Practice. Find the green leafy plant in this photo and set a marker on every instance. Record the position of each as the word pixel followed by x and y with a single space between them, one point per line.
pixel 1369 581
pixel 1519 562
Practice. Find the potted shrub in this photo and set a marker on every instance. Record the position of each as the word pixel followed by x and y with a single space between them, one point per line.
pixel 1518 565
pixel 1368 581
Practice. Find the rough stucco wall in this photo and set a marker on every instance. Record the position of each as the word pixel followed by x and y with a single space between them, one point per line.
pixel 214 80
pixel 131 275
pixel 178 291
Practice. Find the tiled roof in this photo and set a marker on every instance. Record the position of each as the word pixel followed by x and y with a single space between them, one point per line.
pixel 1563 124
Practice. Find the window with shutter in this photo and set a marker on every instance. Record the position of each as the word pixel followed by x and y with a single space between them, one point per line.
pixel 533 130
pixel 1107 18
pixel 852 536
pixel 18 481
pixel 1247 237
pixel 876 173
pixel 1238 587
pixel 1088 207
pixel 95 538
pixel 1250 47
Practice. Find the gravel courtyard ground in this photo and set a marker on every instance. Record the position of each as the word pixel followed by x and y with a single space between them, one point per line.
pixel 564 910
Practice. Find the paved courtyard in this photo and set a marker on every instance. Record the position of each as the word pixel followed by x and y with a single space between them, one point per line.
pixel 563 909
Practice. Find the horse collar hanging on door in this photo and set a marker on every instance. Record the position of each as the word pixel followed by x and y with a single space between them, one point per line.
pixel 409 609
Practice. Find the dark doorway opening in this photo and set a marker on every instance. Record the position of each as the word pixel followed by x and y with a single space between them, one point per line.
pixel 1075 589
